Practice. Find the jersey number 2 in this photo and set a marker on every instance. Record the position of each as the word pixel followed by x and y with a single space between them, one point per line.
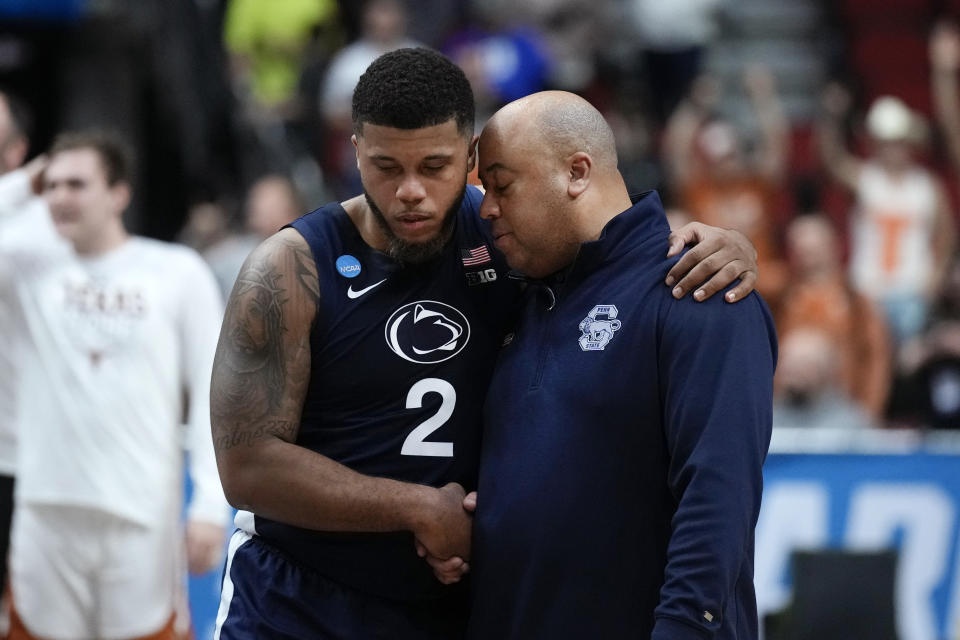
pixel 415 444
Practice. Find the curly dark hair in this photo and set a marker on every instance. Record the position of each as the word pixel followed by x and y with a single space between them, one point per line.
pixel 412 89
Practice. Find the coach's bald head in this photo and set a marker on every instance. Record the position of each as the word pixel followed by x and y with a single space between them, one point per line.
pixel 549 164
pixel 566 124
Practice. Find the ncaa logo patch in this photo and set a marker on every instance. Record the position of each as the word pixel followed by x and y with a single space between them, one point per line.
pixel 427 332
pixel 598 327
pixel 348 266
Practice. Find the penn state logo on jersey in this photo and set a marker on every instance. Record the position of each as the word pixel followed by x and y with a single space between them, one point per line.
pixel 598 327
pixel 427 332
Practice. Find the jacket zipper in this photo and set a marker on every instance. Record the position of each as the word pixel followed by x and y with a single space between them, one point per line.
pixel 542 341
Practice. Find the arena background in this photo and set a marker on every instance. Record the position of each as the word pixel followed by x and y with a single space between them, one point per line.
pixel 215 94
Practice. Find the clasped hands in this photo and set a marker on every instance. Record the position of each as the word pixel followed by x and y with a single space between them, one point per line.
pixel 443 540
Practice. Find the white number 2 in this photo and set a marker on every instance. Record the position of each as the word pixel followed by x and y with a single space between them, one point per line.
pixel 414 445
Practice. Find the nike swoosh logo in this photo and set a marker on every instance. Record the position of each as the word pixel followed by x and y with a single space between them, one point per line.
pixel 353 295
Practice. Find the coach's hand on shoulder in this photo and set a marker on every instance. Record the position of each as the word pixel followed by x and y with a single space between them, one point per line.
pixel 718 257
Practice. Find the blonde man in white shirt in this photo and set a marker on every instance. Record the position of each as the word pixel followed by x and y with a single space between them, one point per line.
pixel 120 327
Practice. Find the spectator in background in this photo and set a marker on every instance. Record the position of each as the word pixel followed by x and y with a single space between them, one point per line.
pixel 928 384
pixel 902 231
pixel 14 144
pixel 267 42
pixel 819 294
pixel 932 364
pixel 557 40
pixel 503 60
pixel 207 224
pixel 278 53
pixel 431 21
pixel 272 202
pixel 384 29
pixel 716 181
pixel 119 327
pixel 153 70
pixel 945 64
pixel 807 386
pixel 673 37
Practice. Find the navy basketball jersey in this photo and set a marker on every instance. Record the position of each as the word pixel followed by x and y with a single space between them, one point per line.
pixel 401 359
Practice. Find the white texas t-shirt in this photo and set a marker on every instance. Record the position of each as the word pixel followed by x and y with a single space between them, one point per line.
pixel 117 341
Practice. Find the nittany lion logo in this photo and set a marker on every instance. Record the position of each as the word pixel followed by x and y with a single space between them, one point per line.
pixel 427 332
pixel 598 327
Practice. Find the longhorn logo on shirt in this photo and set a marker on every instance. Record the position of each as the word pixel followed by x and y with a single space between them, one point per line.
pixel 598 327
pixel 427 332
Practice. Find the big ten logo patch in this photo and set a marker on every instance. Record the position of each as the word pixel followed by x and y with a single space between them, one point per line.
pixel 481 277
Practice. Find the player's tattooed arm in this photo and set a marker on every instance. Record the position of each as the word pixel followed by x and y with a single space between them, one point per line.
pixel 262 364
pixel 263 357
pixel 260 377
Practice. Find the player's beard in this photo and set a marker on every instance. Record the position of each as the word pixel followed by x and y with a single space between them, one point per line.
pixel 417 252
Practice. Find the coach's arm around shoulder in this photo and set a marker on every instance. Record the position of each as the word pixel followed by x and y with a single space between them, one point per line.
pixel 260 379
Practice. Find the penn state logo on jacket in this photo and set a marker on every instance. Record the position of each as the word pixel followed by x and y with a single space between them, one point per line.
pixel 427 332
pixel 598 327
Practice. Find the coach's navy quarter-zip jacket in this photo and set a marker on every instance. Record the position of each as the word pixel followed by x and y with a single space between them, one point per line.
pixel 624 436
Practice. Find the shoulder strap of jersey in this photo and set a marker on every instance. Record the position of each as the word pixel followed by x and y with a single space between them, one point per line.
pixel 324 229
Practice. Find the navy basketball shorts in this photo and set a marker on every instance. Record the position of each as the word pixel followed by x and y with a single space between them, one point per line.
pixel 265 596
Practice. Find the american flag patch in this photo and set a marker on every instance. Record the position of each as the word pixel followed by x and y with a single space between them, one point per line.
pixel 477 255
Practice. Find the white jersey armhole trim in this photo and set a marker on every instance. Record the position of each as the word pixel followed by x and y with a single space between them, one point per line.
pixel 246 522
pixel 226 594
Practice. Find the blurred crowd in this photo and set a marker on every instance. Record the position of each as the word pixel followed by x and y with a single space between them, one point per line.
pixel 240 111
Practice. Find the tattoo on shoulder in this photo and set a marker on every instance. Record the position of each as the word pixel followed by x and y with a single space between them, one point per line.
pixel 252 347
pixel 261 370
pixel 307 272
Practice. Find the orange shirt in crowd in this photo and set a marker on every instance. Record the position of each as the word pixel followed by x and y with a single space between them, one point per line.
pixel 749 205
pixel 857 329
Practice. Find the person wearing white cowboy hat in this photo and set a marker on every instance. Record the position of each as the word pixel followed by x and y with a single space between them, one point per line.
pixel 901 229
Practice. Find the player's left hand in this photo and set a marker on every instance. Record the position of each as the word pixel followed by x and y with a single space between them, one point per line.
pixel 718 257
pixel 204 546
